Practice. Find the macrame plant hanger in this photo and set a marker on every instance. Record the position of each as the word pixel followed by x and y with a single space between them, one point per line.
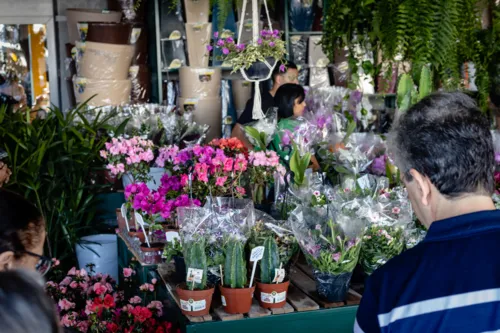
pixel 257 112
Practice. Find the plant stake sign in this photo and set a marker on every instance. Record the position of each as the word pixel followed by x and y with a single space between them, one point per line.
pixel 124 215
pixel 256 255
pixel 140 220
pixel 194 275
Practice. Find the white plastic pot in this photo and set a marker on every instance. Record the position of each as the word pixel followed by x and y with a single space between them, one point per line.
pixel 155 174
pixel 100 250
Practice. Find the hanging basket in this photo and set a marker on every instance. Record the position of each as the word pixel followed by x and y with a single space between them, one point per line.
pixel 259 70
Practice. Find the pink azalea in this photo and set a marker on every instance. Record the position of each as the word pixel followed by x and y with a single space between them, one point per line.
pixel 135 300
pixel 240 190
pixel 100 289
pixel 72 271
pixel 156 305
pixel 69 320
pixel 74 285
pixel 82 326
pixel 67 280
pixel 128 272
pixel 65 305
pixel 220 181
pixel 103 154
pixel 153 281
pixel 228 165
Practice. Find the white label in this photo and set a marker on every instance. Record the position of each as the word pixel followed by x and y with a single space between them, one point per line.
pixel 273 297
pixel 195 275
pixel 134 37
pixel 192 305
pixel 279 275
pixel 223 300
pixel 257 253
pixel 171 235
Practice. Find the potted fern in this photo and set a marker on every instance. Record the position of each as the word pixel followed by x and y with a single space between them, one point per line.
pixel 195 295
pixel 272 289
pixel 236 295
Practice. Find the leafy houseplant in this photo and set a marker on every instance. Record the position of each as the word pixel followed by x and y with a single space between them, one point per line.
pixel 236 298
pixel 269 47
pixel 271 290
pixel 380 243
pixel 52 162
pixel 195 296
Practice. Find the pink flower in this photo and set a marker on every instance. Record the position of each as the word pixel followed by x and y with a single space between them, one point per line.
pixel 135 300
pixel 228 165
pixel 147 287
pixel 55 262
pixel 209 48
pixel 74 285
pixel 128 272
pixel 396 210
pixel 156 305
pixel 240 190
pixel 100 289
pixel 153 281
pixel 272 44
pixel 84 286
pixel 282 68
pixel 103 154
pixel 83 326
pixel 69 320
pixel 67 280
pixel 220 181
pixel 65 305
pixel 225 51
pixel 216 34
pixel 72 271
pixel 336 256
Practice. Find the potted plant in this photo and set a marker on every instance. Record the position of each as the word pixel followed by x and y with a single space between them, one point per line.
pixel 195 296
pixel 262 166
pixel 272 289
pixel 256 59
pixel 173 250
pixel 236 295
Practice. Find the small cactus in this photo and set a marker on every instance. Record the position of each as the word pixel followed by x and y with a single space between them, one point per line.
pixel 270 261
pixel 195 257
pixel 235 268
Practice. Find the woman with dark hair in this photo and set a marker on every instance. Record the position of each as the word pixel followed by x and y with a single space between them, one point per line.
pixel 24 306
pixel 290 100
pixel 22 234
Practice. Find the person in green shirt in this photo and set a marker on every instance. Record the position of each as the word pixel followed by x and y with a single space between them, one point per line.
pixel 290 101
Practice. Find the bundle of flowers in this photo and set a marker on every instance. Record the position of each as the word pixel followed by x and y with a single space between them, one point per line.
pixel 92 303
pixel 242 56
pixel 262 167
pixel 131 156
pixel 231 146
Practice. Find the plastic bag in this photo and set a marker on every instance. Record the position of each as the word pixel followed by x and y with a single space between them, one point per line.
pixel 260 133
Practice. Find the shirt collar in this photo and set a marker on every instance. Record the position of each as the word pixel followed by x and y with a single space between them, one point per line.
pixel 464 225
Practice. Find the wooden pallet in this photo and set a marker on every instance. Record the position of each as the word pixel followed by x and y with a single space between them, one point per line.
pixel 301 297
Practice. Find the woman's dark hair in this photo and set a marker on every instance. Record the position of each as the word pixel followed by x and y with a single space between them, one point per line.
pixel 24 306
pixel 285 99
pixel 20 223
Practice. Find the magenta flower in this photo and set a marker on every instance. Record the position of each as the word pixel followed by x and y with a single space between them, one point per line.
pixel 225 51
pixel 497 158
pixel 272 44
pixel 220 181
pixel 282 68
pixel 209 48
pixel 240 47
pixel 216 34
pixel 259 41
pixel 220 42
pixel 336 256
pixel 230 40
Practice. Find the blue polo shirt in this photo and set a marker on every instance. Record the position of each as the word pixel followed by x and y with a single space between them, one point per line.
pixel 450 282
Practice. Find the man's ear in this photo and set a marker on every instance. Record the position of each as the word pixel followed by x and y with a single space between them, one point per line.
pixel 6 260
pixel 423 186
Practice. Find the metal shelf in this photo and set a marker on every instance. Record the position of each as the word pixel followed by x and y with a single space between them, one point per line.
pixel 306 33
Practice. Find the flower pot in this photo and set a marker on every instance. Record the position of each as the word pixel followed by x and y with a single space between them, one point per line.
pixel 272 296
pixel 242 92
pixel 195 302
pixel 152 254
pixel 236 301
pixel 141 84
pixel 205 111
pixel 198 36
pixel 110 33
pixel 106 61
pixel 75 15
pixel 107 92
pixel 180 269
pixel 199 82
pixel 259 70
pixel 197 11
pixel 133 10
pixel 155 175
pixel 333 288
pixel 100 250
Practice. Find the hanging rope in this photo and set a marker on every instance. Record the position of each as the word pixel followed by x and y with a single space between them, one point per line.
pixel 257 112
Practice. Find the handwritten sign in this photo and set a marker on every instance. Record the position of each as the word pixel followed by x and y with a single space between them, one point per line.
pixel 257 253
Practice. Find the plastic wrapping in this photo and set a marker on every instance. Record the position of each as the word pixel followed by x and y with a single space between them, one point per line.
pixel 141 84
pixel 133 10
pixel 341 71
pixel 317 58
pixel 301 14
pixel 332 287
pixel 173 55
pixel 266 125
pixel 303 78
pixel 205 111
pixel 198 36
pixel 108 92
pixel 280 230
pixel 298 49
pixel 197 11
pixel 318 77
pixel 75 15
pixel 172 23
pixel 200 82
pixel 106 61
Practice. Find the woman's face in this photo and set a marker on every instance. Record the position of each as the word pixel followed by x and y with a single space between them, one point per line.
pixel 298 107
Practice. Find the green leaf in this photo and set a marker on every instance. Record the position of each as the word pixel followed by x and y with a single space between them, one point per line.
pixel 425 86
pixel 405 88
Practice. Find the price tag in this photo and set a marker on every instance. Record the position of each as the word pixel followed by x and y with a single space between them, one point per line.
pixel 257 253
pixel 192 305
pixel 273 297
pixel 279 275
pixel 124 215
pixel 223 300
pixel 171 235
pixel 194 275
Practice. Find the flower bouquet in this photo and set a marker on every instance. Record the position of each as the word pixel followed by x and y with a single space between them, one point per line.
pixel 384 237
pixel 262 166
pixel 332 249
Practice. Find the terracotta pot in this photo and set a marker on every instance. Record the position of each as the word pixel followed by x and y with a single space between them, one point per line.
pixel 152 254
pixel 197 11
pixel 133 10
pixel 120 220
pixel 205 111
pixel 111 33
pixel 141 84
pixel 75 15
pixel 272 296
pixel 141 45
pixel 199 82
pixel 106 61
pixel 237 301
pixel 195 302
pixel 114 92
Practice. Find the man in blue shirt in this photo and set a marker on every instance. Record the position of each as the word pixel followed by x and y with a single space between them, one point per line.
pixel 450 282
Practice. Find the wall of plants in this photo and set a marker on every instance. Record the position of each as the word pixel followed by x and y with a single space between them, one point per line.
pixel 443 34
